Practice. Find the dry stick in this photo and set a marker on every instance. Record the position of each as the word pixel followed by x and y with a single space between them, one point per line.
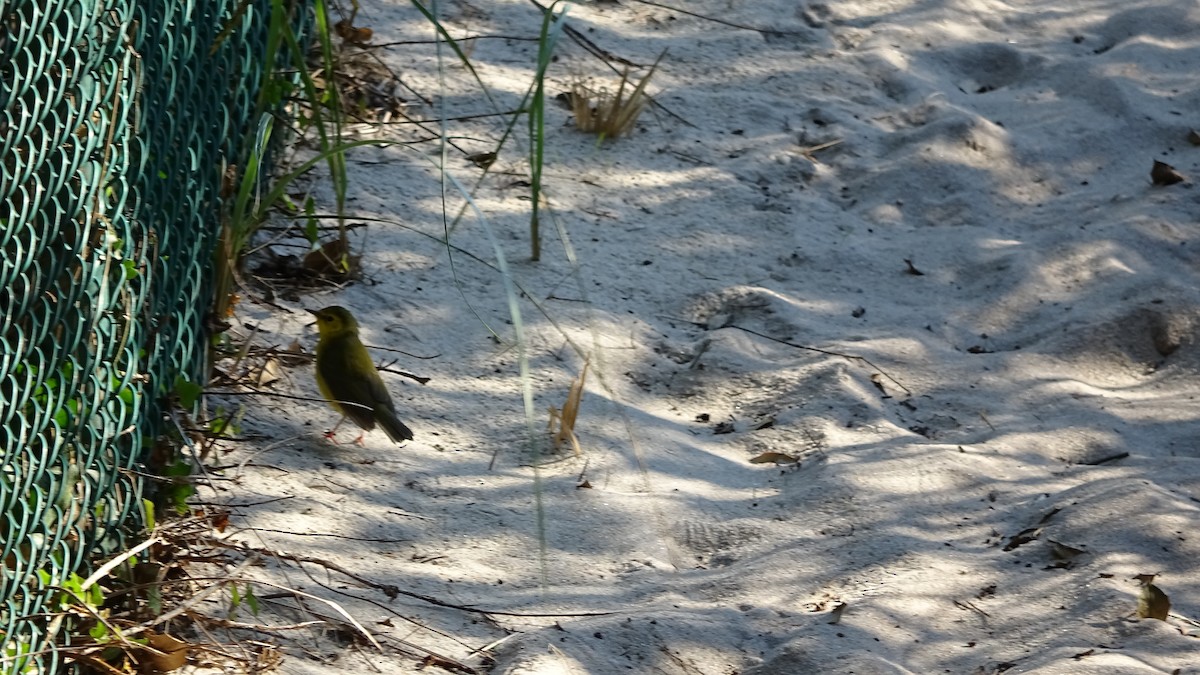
pixel 261 628
pixel 395 613
pixel 396 76
pixel 192 601
pixel 458 118
pixel 827 352
pixel 82 604
pixel 248 580
pixel 764 31
pixel 108 566
pixel 515 38
pixel 391 590
pixel 326 534
pixel 420 626
pixel 247 504
pixel 415 648
pixel 418 649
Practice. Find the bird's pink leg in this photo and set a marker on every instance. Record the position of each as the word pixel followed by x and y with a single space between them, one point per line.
pixel 331 433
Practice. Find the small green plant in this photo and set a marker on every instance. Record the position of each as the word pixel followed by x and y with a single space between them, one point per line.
pixel 238 597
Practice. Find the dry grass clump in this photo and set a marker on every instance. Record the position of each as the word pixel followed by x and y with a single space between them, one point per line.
pixel 606 112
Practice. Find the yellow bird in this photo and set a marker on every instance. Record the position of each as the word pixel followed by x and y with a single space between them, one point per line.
pixel 348 379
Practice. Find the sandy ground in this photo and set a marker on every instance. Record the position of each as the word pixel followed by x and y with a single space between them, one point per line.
pixel 1016 439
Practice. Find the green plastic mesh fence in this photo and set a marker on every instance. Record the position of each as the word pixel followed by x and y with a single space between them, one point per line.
pixel 119 117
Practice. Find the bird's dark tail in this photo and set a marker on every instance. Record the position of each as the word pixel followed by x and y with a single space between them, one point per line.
pixel 393 427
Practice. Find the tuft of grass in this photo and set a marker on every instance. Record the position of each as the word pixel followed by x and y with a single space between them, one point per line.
pixel 611 113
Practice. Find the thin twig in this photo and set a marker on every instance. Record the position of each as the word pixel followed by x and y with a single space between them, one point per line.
pixel 108 566
pixel 764 31
pixel 827 352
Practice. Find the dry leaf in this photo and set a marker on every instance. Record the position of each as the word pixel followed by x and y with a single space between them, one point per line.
pixel 171 653
pixel 912 269
pixel 355 35
pixel 570 409
pixel 229 182
pixel 1064 555
pixel 1023 537
pixel 267 373
pixel 835 616
pixel 774 458
pixel 1061 551
pixel 482 159
pixel 1193 137
pixel 1152 602
pixel 877 380
pixel 332 259
pixel 1165 174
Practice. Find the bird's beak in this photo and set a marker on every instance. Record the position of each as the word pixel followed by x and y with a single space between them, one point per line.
pixel 312 311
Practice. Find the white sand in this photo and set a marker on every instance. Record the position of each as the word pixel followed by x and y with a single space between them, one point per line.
pixel 1003 147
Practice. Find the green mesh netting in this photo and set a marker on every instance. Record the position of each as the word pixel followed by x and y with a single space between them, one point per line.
pixel 119 117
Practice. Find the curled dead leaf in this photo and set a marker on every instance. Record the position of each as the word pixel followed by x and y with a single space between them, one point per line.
pixel 1063 554
pixel 355 35
pixel 774 458
pixel 267 373
pixel 835 616
pixel 565 418
pixel 1152 602
pixel 333 259
pixel 1061 551
pixel 1165 174
pixel 1023 537
pixel 168 653
pixel 482 159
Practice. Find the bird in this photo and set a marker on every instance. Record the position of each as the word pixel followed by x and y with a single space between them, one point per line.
pixel 348 379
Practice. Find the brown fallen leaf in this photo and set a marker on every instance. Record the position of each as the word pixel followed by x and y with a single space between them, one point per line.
pixel 723 428
pixel 570 410
pixel 912 269
pixel 168 652
pixel 877 380
pixel 1152 602
pixel 835 616
pixel 1061 551
pixel 1193 137
pixel 267 373
pixel 355 35
pixel 1023 537
pixel 333 259
pixel 1165 174
pixel 482 159
pixel 774 458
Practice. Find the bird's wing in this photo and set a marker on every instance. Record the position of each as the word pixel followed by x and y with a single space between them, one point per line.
pixel 365 389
